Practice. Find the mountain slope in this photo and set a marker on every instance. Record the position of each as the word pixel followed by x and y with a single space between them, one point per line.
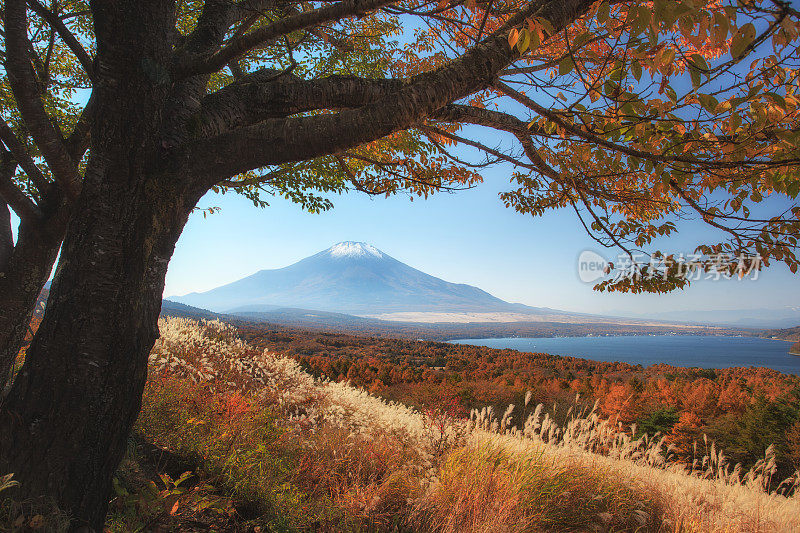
pixel 350 277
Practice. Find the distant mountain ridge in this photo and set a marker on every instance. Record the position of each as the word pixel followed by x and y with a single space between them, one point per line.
pixel 353 278
pixel 784 317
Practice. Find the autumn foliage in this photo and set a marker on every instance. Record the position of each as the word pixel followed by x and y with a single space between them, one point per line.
pixel 682 403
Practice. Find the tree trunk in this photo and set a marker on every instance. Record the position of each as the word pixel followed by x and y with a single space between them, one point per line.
pixel 22 278
pixel 89 357
pixel 65 421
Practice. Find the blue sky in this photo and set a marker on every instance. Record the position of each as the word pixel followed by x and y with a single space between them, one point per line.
pixel 465 237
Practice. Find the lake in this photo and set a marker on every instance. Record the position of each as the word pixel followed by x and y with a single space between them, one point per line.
pixel 678 350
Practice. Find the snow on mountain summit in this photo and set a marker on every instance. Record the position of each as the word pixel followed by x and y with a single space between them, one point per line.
pixel 351 249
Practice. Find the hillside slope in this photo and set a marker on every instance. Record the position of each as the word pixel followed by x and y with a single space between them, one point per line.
pixel 272 448
pixel 786 334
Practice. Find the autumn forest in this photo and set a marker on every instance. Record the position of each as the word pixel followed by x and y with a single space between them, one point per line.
pixel 743 409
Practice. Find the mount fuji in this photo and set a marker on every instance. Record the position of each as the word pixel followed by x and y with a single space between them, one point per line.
pixel 354 278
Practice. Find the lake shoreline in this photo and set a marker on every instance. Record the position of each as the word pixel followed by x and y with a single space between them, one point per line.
pixel 464 340
pixel 689 351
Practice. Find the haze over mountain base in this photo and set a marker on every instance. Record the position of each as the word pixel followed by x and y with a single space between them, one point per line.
pixel 561 317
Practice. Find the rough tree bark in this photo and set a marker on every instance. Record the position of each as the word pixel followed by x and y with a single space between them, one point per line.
pixel 100 324
pixel 65 421
pixel 6 237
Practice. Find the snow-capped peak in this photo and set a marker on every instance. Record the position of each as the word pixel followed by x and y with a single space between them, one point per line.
pixel 354 250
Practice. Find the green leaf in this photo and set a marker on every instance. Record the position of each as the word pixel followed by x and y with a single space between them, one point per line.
pixel 636 68
pixel 536 42
pixel 603 13
pixel 695 75
pixel 708 102
pixel 721 27
pixel 566 66
pixel 524 40
pixel 743 38
pixel 546 26
pixel 792 189
pixel 778 99
pixel 700 62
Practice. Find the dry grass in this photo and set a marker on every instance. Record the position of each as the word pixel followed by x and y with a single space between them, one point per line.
pixel 311 455
pixel 486 487
pixel 686 503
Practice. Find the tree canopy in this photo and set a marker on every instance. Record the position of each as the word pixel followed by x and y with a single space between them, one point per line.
pixel 632 114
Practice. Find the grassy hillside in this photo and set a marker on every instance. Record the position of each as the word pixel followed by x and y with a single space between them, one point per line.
pixel 743 409
pixel 270 447
pixel 231 438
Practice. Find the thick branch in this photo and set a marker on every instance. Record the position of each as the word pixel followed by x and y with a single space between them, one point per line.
pixel 69 39
pixel 277 141
pixel 20 153
pixel 503 121
pixel 78 141
pixel 482 117
pixel 213 23
pixel 22 205
pixel 496 120
pixel 480 146
pixel 266 94
pixel 23 83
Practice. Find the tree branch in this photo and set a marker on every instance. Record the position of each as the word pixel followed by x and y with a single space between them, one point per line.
pixel 22 205
pixel 590 137
pixel 503 121
pixel 283 140
pixel 266 94
pixel 499 121
pixel 256 180
pixel 261 36
pixel 69 39
pixel 480 146
pixel 209 32
pixel 20 153
pixel 23 84
pixel 78 141
pixel 6 237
